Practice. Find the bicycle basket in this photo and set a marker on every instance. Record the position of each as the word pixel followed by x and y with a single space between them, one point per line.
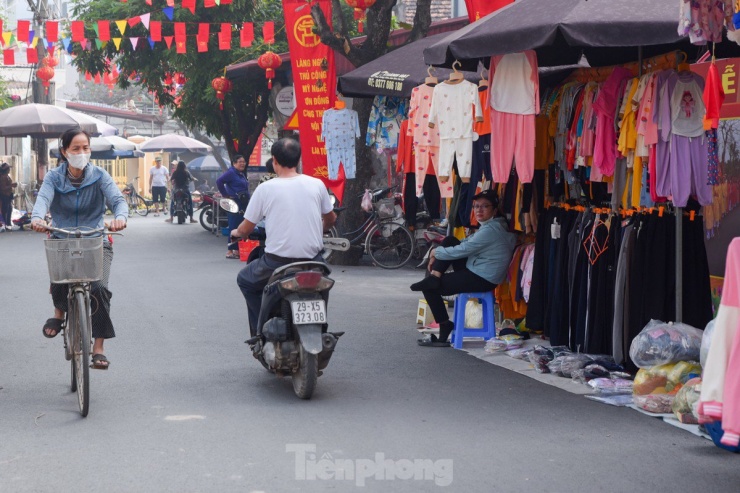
pixel 74 259
pixel 386 208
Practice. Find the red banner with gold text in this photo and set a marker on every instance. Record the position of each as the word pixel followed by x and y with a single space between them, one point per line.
pixel 314 83
pixel 481 8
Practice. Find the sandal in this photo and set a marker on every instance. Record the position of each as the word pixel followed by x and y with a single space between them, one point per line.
pixel 99 362
pixel 54 324
pixel 232 255
pixel 432 341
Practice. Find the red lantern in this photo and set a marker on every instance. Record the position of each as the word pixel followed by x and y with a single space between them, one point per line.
pixel 221 85
pixel 269 61
pixel 45 73
pixel 360 6
pixel 49 61
pixel 180 79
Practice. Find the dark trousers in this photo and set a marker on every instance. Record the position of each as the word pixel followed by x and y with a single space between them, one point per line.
pixel 235 219
pixel 411 201
pixel 461 280
pixel 6 206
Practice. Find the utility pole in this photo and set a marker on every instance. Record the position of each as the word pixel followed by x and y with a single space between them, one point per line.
pixel 41 12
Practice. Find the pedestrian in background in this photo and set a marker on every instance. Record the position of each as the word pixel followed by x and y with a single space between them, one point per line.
pixel 233 184
pixel 159 179
pixel 6 197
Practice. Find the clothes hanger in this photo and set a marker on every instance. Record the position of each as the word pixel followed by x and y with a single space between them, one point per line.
pixel 431 79
pixel 483 82
pixel 339 104
pixel 682 65
pixel 456 76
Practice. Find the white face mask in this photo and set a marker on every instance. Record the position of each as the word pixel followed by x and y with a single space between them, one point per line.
pixel 78 161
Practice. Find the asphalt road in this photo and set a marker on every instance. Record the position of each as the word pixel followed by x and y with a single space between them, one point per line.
pixel 185 407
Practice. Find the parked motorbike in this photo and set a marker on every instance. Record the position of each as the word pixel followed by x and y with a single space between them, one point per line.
pixel 292 332
pixel 206 207
pixel 180 205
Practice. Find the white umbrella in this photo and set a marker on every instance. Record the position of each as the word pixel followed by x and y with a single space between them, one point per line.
pixel 174 143
pixel 42 121
pixel 103 128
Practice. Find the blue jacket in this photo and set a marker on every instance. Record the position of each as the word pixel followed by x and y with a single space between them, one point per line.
pixel 85 206
pixel 488 251
pixel 232 183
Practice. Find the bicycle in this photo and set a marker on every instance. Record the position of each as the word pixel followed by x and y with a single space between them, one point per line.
pixel 385 238
pixel 136 203
pixel 27 198
pixel 77 261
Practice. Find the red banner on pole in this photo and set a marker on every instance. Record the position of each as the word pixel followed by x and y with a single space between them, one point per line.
pixel 314 79
pixel 481 8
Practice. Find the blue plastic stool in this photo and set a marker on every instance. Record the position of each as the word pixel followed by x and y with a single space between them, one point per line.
pixel 489 327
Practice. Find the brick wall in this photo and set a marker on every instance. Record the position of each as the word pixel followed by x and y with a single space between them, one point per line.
pixel 441 10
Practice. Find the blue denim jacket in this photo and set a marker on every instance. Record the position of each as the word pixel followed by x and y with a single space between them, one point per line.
pixel 488 251
pixel 84 206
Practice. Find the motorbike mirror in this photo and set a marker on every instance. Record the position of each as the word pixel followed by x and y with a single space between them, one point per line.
pixel 229 205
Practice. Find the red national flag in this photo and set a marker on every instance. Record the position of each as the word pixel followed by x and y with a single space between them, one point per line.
pixel 32 56
pixel 104 30
pixel 52 31
pixel 78 31
pixel 190 5
pixel 247 34
pixel 22 31
pixel 202 44
pixel 155 30
pixel 181 46
pixel 224 40
pixel 180 30
pixel 268 32
pixel 133 21
pixel 204 30
pixel 168 40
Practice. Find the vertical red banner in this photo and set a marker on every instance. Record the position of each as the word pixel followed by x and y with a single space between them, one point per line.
pixel 481 8
pixel 314 83
pixel 255 159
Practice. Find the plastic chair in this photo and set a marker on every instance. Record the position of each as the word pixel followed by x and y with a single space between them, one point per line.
pixel 489 326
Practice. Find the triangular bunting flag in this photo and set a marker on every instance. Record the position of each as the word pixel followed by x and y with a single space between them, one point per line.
pixel 6 38
pixel 52 31
pixel 121 26
pixel 88 76
pixel 1 31
pixel 168 12
pixel 145 20
pixel 8 56
pixel 31 36
pixel 117 42
pixel 155 30
pixel 104 30
pixel 97 78
pixel 247 35
pixel 170 3
pixel 96 29
pixel 98 44
pixel 134 42
pixel 190 5
pixel 148 2
pixel 34 42
pixel 65 43
pixel 32 56
pixel 133 21
pixel 168 40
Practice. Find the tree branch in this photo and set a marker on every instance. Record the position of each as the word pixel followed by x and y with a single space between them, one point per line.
pixel 422 20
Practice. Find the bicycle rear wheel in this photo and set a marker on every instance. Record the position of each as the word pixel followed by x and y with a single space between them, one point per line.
pixel 140 206
pixel 81 349
pixel 389 244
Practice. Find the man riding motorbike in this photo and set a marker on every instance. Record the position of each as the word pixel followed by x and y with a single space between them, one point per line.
pixel 296 210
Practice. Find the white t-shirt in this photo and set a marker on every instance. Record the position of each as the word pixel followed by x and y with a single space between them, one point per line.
pixel 160 176
pixel 292 210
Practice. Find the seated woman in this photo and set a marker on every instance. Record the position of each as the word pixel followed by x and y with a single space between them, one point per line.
pixel 479 264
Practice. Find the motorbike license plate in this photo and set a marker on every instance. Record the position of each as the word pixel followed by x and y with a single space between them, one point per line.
pixel 308 312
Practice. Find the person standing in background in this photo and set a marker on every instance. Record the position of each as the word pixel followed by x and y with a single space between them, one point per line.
pixel 6 197
pixel 159 179
pixel 233 184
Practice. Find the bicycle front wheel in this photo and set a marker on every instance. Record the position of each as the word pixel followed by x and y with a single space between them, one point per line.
pixel 140 206
pixel 389 244
pixel 81 349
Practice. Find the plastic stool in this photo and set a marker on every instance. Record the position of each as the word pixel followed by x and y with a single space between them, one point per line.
pixel 489 327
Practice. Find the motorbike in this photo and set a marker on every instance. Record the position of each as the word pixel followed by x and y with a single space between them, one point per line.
pixel 207 206
pixel 180 205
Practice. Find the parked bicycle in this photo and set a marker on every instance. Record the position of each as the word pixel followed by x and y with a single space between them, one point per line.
pixel 383 235
pixel 27 196
pixel 77 261
pixel 136 203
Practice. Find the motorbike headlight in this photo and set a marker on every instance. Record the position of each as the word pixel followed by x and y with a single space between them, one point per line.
pixel 229 205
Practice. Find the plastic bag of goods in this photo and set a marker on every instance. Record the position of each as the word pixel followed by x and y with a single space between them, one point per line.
pixel 661 343
pixel 542 355
pixel 611 385
pixel 706 340
pixel 655 388
pixel 473 315
pixel 521 353
pixel 686 403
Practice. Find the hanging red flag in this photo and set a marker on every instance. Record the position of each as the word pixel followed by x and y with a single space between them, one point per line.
pixel 22 31
pixel 104 30
pixel 209 3
pixel 190 5
pixel 204 30
pixel 32 56
pixel 133 21
pixel 97 79
pixel 180 30
pixel 181 47
pixel 247 34
pixel 168 40
pixel 268 32
pixel 78 31
pixel 88 76
pixel 170 3
pixel 225 2
pixel 155 30
pixel 148 2
pixel 224 40
pixel 202 44
pixel 52 31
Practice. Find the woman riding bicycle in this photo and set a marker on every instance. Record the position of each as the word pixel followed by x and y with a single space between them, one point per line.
pixel 77 193
pixel 181 179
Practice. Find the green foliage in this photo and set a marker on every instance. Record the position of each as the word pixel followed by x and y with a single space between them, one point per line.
pixel 4 95
pixel 148 67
